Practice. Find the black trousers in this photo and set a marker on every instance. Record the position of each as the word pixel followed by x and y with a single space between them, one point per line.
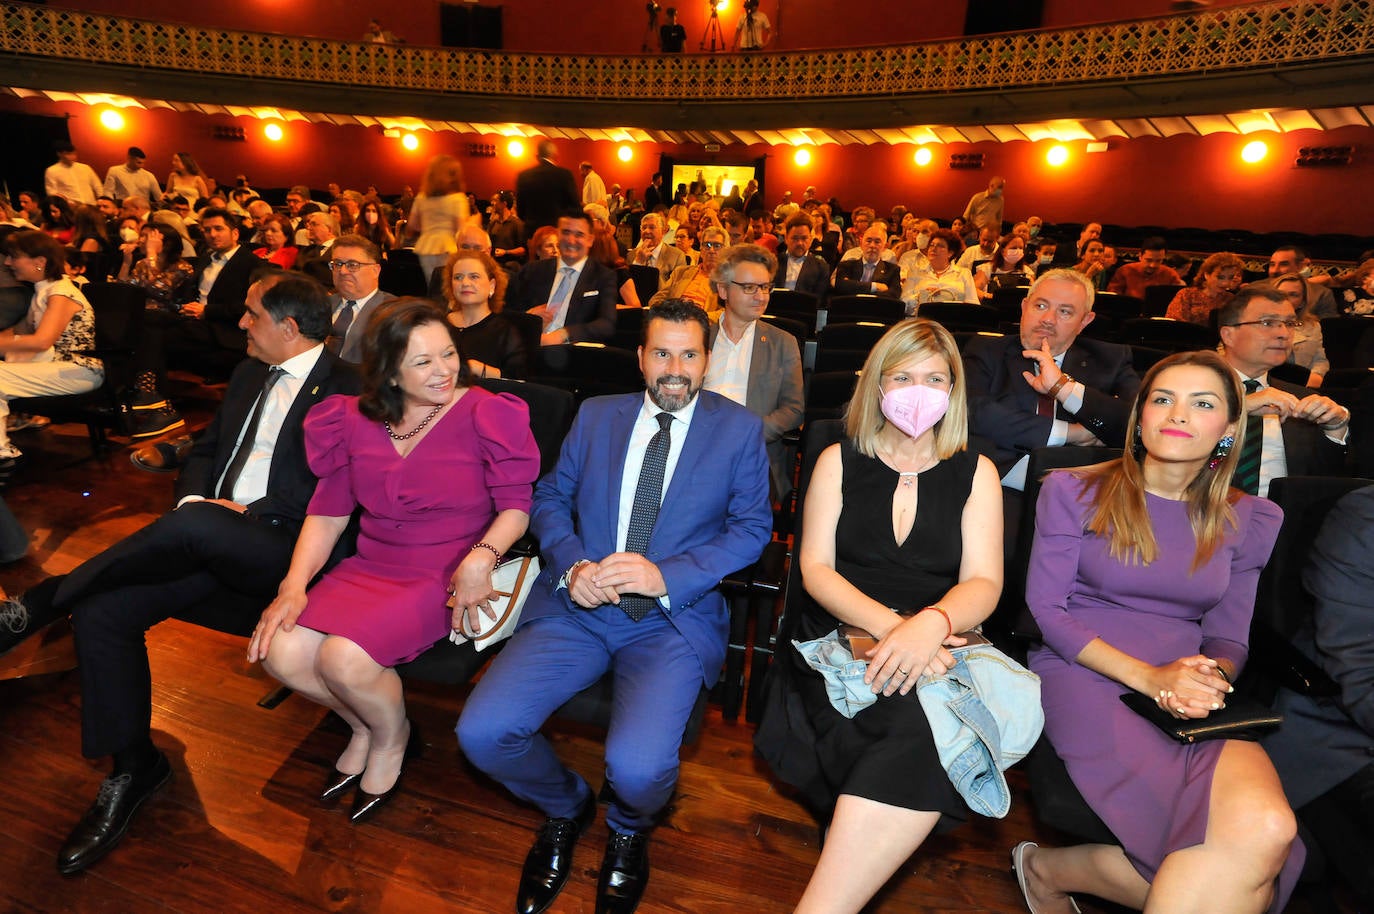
pixel 203 562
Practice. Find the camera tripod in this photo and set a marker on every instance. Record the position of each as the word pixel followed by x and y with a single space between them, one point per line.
pixel 713 32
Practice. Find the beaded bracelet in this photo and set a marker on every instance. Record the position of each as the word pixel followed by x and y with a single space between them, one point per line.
pixel 494 550
pixel 948 624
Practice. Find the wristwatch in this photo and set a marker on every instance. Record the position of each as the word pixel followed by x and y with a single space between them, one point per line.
pixel 566 581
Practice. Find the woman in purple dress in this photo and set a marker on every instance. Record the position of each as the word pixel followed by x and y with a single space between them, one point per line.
pixel 1142 578
pixel 443 473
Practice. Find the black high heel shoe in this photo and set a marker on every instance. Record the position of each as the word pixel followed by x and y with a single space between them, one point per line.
pixel 339 784
pixel 365 804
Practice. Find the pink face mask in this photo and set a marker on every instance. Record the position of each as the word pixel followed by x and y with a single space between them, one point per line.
pixel 1012 256
pixel 370 217
pixel 915 408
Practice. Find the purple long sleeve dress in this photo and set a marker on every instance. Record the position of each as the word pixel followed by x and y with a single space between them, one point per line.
pixel 1151 791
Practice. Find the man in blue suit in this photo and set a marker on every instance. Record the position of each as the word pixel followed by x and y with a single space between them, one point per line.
pixel 655 498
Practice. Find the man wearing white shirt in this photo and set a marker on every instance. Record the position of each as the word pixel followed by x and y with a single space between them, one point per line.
pixel 131 179
pixel 593 188
pixel 68 178
pixel 983 250
pixel 356 265
pixel 216 558
pixel 574 295
pixel 1291 430
pixel 752 362
pixel 653 252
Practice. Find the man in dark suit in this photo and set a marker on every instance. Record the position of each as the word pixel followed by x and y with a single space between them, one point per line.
pixel 869 274
pixel 206 331
pixel 1324 752
pixel 1303 432
pixel 1048 386
pixel 653 194
pixel 753 363
pixel 227 542
pixel 356 264
pixel 573 294
pixel 313 259
pixel 800 270
pixel 546 190
pixel 629 588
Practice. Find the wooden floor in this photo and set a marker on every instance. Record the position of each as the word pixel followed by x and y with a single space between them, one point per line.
pixel 238 829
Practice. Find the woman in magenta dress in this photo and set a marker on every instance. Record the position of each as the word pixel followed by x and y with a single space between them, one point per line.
pixel 1142 578
pixel 443 473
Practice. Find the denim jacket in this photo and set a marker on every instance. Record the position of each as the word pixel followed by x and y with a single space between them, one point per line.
pixel 984 713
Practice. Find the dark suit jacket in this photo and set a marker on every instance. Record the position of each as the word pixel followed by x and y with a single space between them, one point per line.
pixel 849 273
pixel 813 278
pixel 591 307
pixel 774 393
pixel 224 304
pixel 1002 405
pixel 715 516
pixel 290 482
pixel 1326 739
pixel 313 261
pixel 353 352
pixel 1306 449
pixel 543 192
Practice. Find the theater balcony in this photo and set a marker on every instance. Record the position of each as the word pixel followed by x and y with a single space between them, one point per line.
pixel 1297 55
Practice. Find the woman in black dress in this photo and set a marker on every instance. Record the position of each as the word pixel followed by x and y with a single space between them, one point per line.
pixel 900 517
pixel 476 292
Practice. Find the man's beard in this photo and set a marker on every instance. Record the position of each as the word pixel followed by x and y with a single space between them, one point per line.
pixel 672 402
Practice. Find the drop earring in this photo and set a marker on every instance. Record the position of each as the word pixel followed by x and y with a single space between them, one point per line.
pixel 1223 450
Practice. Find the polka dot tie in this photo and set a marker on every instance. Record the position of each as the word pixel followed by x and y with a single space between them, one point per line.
pixel 644 514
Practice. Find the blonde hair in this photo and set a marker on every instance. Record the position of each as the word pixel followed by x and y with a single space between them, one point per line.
pixel 443 176
pixel 918 339
pixel 1118 487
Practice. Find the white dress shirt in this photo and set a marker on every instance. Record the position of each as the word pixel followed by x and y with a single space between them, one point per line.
pixel 560 316
pixel 212 271
pixel 727 371
pixel 1059 430
pixel 354 328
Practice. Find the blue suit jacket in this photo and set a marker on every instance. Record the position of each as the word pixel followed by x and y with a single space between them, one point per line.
pixel 715 516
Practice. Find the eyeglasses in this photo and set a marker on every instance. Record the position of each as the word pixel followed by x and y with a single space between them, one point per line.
pixel 1270 323
pixel 753 288
pixel 712 245
pixel 350 266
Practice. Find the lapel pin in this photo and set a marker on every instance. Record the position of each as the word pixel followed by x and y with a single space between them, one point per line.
pixel 315 390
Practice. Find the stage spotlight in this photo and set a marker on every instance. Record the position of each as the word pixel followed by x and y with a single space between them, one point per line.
pixel 273 132
pixel 1057 155
pixel 1254 151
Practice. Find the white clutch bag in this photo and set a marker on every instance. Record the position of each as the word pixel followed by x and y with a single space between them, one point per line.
pixel 512 581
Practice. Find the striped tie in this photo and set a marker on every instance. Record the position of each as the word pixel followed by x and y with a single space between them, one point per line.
pixel 1247 475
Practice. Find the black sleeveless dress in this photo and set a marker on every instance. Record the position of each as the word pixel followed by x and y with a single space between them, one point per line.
pixel 886 752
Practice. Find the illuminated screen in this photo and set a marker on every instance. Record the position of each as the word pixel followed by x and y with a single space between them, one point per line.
pixel 719 178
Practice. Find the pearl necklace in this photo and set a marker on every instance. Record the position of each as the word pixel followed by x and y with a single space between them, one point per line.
pixel 417 429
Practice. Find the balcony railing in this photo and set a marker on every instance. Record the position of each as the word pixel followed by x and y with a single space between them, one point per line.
pixel 1231 38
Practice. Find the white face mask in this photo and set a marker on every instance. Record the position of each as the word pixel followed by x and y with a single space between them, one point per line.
pixel 922 240
pixel 1012 256
pixel 128 235
pixel 370 217
pixel 1047 259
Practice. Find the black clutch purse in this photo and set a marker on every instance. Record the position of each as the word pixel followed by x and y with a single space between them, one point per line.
pixel 1242 718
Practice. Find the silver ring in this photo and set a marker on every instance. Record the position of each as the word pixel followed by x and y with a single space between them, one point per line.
pixel 904 672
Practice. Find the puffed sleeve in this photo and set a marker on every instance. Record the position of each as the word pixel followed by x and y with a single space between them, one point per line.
pixel 1052 576
pixel 510 458
pixel 1226 626
pixel 327 428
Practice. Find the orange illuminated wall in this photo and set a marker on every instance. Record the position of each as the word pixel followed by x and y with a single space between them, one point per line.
pixel 1180 181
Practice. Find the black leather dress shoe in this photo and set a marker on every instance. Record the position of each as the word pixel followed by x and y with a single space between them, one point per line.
pixel 624 874
pixel 549 861
pixel 365 804
pixel 338 785
pixel 105 822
